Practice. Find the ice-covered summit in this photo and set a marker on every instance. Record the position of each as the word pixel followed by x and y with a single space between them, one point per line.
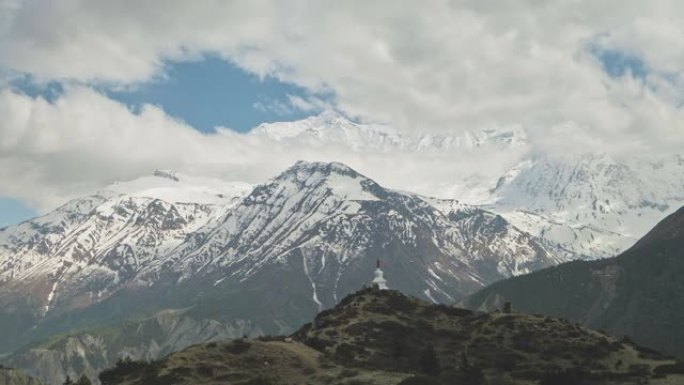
pixel 334 129
pixel 331 129
pixel 175 187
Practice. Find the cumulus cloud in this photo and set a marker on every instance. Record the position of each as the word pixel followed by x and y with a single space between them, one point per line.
pixel 52 151
pixel 430 66
pixel 433 66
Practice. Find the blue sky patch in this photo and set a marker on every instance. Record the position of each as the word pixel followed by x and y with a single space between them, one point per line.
pixel 205 94
pixel 618 63
pixel 214 92
pixel 13 211
pixel 48 91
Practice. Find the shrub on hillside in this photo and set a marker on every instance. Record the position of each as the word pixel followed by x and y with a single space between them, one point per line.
pixel 270 338
pixel 401 303
pixel 83 380
pixel 318 343
pixel 122 368
pixel 238 346
pixel 347 353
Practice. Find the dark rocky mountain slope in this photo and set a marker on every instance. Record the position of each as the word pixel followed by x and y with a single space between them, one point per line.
pixel 639 293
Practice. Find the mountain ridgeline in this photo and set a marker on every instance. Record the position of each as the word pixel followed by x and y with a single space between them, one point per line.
pixel 639 293
pixel 261 263
pixel 593 205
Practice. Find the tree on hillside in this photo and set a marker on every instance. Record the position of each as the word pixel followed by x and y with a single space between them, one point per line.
pixel 68 381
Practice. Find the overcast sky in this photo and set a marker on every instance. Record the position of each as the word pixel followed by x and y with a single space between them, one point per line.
pixel 93 91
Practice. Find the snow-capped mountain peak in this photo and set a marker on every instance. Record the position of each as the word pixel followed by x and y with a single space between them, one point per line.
pixel 334 178
pixel 330 129
pixel 333 129
pixel 304 170
pixel 171 186
pixel 497 137
pixel 593 204
pixel 332 216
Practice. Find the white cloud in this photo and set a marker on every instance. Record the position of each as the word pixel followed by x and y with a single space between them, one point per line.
pixel 293 104
pixel 309 104
pixel 431 66
pixel 53 151
pixel 428 66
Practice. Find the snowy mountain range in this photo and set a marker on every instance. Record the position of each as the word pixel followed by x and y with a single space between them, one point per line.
pixel 274 254
pixel 591 205
pixel 260 260
pixel 307 237
pixel 90 246
pixel 583 206
pixel 181 252
pixel 331 128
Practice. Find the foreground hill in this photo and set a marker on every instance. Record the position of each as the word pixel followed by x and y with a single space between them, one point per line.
pixel 639 293
pixel 384 337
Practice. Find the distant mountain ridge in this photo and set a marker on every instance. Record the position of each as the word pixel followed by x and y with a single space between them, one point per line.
pixel 590 204
pixel 331 128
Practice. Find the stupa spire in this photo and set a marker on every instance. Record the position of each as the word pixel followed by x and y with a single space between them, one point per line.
pixel 379 280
